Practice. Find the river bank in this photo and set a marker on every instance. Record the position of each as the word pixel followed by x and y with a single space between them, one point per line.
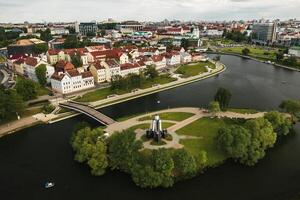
pixel 52 118
pixel 255 59
pixel 43 152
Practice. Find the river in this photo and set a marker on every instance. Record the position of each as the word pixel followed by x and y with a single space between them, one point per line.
pixel 37 154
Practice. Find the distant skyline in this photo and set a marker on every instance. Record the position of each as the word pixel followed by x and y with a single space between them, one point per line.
pixel 17 11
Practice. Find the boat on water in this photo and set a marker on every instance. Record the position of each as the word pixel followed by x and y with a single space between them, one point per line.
pixel 158 102
pixel 49 185
pixel 283 82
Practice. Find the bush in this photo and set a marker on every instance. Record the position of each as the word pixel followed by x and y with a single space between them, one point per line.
pixel 48 108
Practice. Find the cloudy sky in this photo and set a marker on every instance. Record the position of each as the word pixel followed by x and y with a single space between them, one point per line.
pixel 145 10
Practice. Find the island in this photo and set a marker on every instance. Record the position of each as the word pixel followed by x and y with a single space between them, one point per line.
pixel 194 140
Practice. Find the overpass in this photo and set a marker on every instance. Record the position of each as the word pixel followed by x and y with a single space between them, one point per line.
pixel 89 111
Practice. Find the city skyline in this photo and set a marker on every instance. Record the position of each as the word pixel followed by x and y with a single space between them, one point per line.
pixel 17 11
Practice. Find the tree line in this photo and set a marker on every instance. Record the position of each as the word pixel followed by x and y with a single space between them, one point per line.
pixel 121 151
pixel 132 81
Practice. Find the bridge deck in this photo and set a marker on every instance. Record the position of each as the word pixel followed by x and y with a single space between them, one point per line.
pixel 88 111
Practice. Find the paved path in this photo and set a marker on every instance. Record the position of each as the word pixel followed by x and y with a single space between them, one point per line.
pixel 5 76
pixel 175 143
pixel 142 92
pixel 16 125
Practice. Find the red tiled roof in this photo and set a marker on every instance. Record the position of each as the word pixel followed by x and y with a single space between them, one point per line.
pixel 52 52
pixel 157 58
pixel 112 63
pixel 98 65
pixel 111 53
pixel 63 65
pixel 73 72
pixel 17 56
pixel 58 77
pixel 31 61
pixel 129 66
pixel 19 61
pixel 86 74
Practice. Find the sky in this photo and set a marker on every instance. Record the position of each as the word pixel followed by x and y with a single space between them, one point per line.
pixel 146 10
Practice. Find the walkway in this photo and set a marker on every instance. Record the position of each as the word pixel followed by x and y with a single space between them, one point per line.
pixel 16 125
pixel 143 92
pixel 89 111
pixel 175 143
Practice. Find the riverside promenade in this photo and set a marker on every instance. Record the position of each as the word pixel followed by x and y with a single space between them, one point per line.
pixel 53 117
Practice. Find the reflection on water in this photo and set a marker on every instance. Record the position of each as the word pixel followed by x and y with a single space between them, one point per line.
pixel 42 153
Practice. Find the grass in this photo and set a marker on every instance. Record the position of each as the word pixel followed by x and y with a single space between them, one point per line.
pixel 243 110
pixel 104 92
pixel 25 113
pixel 194 69
pixel 254 52
pixel 41 91
pixel 206 129
pixel 174 116
pixel 2 59
pixel 159 143
pixel 145 126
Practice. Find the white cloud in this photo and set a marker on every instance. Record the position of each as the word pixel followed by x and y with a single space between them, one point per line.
pixel 87 10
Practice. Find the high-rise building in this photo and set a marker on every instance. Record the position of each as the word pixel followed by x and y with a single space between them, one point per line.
pixel 264 33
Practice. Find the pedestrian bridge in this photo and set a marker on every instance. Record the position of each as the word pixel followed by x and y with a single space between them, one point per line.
pixel 89 111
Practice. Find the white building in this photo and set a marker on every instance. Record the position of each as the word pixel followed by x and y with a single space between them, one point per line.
pixel 173 58
pixel 185 57
pixel 30 66
pixel 159 61
pixel 295 51
pixel 71 81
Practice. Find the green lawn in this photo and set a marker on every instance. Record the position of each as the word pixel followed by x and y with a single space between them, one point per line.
pixel 255 52
pixel 147 126
pixel 261 54
pixel 41 91
pixel 207 129
pixel 174 116
pixel 243 110
pixel 2 59
pixel 104 92
pixel 194 69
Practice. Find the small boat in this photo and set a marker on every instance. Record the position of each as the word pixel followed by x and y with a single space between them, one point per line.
pixel 158 102
pixel 283 82
pixel 49 185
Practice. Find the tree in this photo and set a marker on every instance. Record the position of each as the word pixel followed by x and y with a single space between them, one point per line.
pixel 279 56
pixel 157 173
pixel 123 150
pixel 214 107
pixel 185 43
pixel 11 103
pixel 245 51
pixel 90 148
pixel 280 123
pixel 103 32
pixel 41 72
pixel 184 164
pixel 291 106
pixel 27 89
pixel 40 48
pixel 262 138
pixel 151 72
pixel 46 35
pixel 234 140
pixel 223 96
pixel 76 60
pixel 71 42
